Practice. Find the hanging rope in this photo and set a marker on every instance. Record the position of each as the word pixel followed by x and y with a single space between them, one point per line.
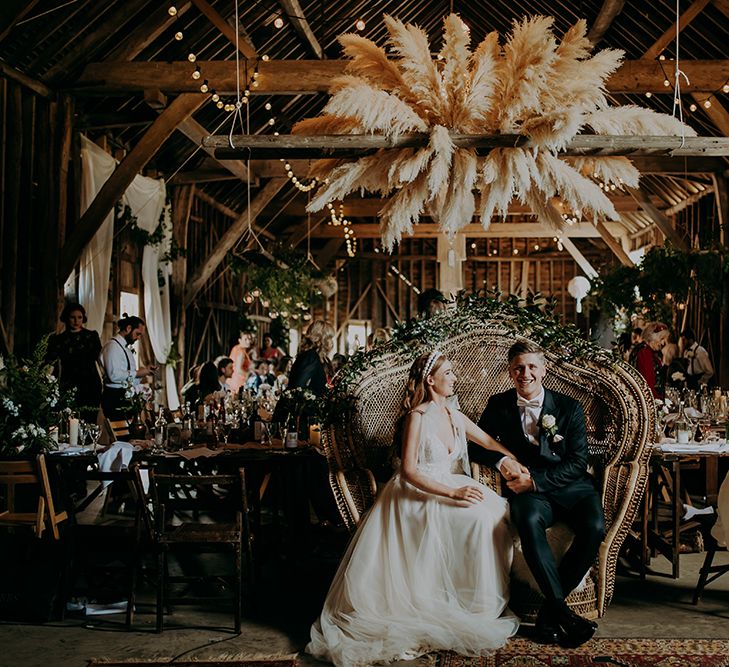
pixel 677 74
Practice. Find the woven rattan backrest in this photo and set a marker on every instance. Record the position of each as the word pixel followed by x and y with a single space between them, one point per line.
pixel 617 411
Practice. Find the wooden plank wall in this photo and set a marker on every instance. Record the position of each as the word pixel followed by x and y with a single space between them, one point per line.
pixel 32 216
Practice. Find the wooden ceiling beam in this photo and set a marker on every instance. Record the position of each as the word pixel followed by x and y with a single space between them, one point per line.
pixel 306 77
pixel 295 14
pixel 360 207
pixel 144 34
pixel 195 132
pixel 38 87
pixel 356 145
pixel 227 30
pixel 613 244
pixel 230 238
pixel 646 164
pixel 426 230
pixel 89 223
pixel 607 14
pixel 662 222
pixel 18 17
pixel 696 7
pixel 83 49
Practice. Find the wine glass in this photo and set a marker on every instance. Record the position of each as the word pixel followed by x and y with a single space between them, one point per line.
pixel 223 429
pixel 94 432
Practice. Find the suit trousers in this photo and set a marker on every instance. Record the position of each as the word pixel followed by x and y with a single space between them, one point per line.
pixel 532 513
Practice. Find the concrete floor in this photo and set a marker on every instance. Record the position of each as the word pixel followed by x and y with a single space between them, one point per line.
pixel 656 607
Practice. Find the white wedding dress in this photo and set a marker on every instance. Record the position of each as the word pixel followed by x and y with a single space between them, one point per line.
pixel 421 573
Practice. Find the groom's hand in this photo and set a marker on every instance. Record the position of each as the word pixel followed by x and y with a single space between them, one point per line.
pixel 511 468
pixel 521 483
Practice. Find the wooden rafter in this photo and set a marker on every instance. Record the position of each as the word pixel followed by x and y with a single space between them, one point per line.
pixel 18 17
pixel 613 244
pixel 226 29
pixel 496 230
pixel 38 87
pixel 295 14
pixel 89 223
pixel 579 258
pixel 354 145
pixel 196 132
pixel 306 77
pixel 696 7
pixel 144 34
pixel 83 48
pixel 229 239
pixel 609 10
pixel 662 222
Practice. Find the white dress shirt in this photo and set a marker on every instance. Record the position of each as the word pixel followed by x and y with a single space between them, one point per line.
pixel 530 416
pixel 699 364
pixel 119 363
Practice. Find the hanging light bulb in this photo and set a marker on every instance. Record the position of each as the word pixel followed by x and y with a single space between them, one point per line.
pixel 271 121
pixel 278 23
pixel 725 88
pixel 215 96
pixel 264 58
pixel 220 104
pixel 360 25
pixel 191 57
pixel 267 107
pixel 707 104
pixel 204 88
pixel 172 10
pixel 692 107
pixel 649 94
pixel 197 73
pixel 179 35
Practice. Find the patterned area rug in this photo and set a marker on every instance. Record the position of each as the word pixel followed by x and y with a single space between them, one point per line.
pixel 620 652
pixel 202 662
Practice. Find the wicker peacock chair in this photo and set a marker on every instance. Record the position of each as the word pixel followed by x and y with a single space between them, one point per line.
pixel 618 410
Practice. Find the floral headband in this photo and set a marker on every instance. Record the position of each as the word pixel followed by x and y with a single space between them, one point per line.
pixel 434 356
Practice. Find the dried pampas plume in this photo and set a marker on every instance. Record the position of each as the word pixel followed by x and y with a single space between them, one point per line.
pixel 532 84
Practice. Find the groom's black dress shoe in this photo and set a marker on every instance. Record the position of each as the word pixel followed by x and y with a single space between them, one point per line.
pixel 576 630
pixel 546 629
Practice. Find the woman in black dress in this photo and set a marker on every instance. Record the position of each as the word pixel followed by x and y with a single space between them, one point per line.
pixel 74 353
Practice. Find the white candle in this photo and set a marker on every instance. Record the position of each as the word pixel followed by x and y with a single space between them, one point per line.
pixel 73 431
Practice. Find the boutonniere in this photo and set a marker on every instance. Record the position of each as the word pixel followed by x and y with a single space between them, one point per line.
pixel 549 426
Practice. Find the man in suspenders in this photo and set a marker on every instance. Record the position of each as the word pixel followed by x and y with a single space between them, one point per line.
pixel 120 367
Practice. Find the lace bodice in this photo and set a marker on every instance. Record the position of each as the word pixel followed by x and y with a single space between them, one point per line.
pixel 434 459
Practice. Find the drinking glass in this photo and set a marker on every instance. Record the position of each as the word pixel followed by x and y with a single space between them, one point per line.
pixel 223 430
pixel 94 431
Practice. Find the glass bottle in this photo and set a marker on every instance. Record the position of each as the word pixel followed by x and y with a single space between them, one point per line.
pixel 160 429
pixel 682 426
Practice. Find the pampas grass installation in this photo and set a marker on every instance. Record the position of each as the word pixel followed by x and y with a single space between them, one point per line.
pixel 533 84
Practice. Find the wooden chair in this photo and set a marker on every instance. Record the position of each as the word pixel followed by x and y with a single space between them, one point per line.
pixel 620 419
pixel 31 473
pixel 177 511
pixel 118 429
pixel 708 571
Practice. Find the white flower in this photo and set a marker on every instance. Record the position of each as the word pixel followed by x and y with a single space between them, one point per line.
pixel 548 421
pixel 678 376
pixel 10 406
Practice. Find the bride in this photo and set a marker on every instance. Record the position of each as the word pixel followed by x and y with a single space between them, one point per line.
pixel 428 567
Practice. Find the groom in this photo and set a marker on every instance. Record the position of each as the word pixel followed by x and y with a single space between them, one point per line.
pixel 546 432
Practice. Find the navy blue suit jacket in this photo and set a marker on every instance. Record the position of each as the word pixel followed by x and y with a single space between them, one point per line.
pixel 557 466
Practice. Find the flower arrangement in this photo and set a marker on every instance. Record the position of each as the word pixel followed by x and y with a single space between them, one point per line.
pixel 532 85
pixel 295 403
pixel 137 396
pixel 31 402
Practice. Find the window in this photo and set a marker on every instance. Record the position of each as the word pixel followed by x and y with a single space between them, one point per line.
pixel 357 332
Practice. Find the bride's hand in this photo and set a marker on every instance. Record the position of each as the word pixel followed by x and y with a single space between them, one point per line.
pixel 468 495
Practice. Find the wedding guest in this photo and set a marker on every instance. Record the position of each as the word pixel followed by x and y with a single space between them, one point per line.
pixel 431 302
pixel 75 352
pixel 120 367
pixel 312 367
pixel 189 389
pixel 282 372
pixel 647 358
pixel 261 376
pixel 636 336
pixel 225 372
pixel 378 337
pixel 338 360
pixel 269 351
pixel 208 385
pixel 242 355
pixel 428 568
pixel 699 369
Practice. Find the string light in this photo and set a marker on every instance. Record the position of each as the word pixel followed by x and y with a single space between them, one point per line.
pixel 204 88
pixel 197 73
pixel 692 107
pixel 360 25
pixel 404 278
pixel 278 23
pixel 191 57
pixel 725 88
pixel 215 97
pixel 707 104
pixel 172 10
pixel 179 35
pixel 649 94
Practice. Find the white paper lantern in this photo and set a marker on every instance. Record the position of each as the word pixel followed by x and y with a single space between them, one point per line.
pixel 578 288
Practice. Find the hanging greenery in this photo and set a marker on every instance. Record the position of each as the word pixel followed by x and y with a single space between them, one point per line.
pixel 662 282
pixel 533 317
pixel 286 287
pixel 142 237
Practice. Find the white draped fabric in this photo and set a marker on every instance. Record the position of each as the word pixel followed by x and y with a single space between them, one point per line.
pixel 93 284
pixel 146 198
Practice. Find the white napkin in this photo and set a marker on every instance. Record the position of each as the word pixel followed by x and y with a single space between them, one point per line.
pixel 116 458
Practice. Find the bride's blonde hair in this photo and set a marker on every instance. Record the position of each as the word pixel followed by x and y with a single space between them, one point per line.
pixel 417 391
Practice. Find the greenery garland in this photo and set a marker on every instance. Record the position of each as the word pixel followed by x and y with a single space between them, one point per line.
pixel 142 237
pixel 533 317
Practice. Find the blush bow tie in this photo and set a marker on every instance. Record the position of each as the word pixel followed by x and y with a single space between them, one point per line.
pixel 528 403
